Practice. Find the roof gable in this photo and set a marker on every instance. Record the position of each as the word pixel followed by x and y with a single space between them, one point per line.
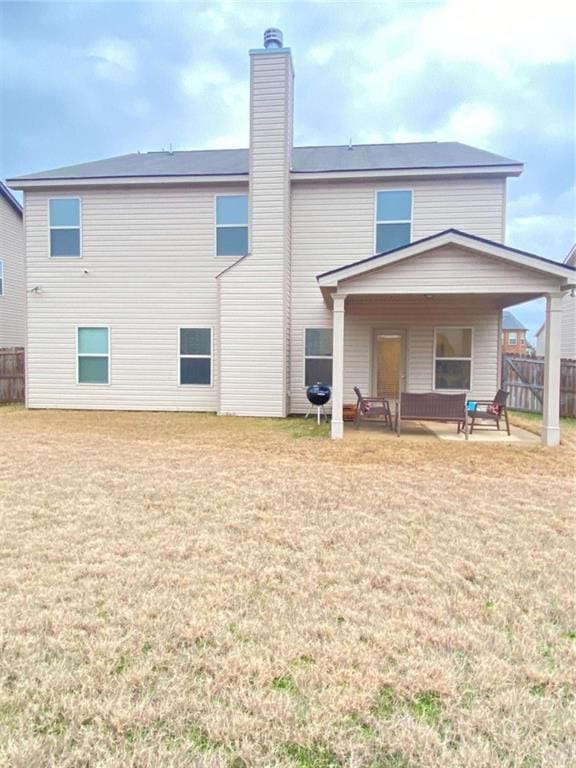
pixel 448 237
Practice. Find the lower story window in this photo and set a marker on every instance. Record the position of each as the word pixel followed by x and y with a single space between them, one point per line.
pixel 452 358
pixel 318 356
pixel 196 356
pixel 94 355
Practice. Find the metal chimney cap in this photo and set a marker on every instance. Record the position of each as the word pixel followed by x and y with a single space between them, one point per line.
pixel 273 38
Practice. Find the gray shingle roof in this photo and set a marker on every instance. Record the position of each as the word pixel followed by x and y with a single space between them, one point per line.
pixel 511 323
pixel 226 162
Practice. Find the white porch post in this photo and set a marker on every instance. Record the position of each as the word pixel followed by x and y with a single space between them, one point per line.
pixel 551 421
pixel 338 366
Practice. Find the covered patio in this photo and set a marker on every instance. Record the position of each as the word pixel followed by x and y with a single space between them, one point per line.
pixel 427 318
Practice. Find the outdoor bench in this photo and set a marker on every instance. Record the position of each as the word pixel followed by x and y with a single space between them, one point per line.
pixel 431 406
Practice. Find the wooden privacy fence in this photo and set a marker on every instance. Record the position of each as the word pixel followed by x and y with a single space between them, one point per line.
pixel 523 378
pixel 12 375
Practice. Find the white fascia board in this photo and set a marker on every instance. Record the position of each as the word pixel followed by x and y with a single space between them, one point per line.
pixel 405 173
pixel 125 181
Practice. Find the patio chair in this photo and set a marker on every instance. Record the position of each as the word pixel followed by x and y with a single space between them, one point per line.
pixel 489 410
pixel 372 408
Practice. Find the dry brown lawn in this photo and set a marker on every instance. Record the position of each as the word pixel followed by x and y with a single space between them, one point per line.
pixel 187 590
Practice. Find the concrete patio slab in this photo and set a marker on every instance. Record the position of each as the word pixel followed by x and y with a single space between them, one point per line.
pixel 424 430
pixel 482 434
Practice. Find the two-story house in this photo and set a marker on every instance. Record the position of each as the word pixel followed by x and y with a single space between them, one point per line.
pixel 228 280
pixel 12 271
pixel 514 340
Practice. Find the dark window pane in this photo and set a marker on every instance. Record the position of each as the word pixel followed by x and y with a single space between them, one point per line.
pixel 318 371
pixel 65 212
pixel 195 370
pixel 232 241
pixel 390 236
pixel 454 342
pixel 93 370
pixel 319 342
pixel 394 206
pixel 452 374
pixel 232 209
pixel 195 341
pixel 64 242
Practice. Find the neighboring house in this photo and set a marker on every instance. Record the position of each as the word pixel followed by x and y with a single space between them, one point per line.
pixel 12 272
pixel 568 345
pixel 514 341
pixel 228 280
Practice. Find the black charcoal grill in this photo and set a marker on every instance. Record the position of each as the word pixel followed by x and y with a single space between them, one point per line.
pixel 318 395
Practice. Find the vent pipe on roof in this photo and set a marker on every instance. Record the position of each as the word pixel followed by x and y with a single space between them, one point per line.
pixel 273 38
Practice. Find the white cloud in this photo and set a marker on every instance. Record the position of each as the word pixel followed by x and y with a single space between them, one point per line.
pixel 469 123
pixel 500 33
pixel 203 76
pixel 321 54
pixel 235 140
pixel 115 59
pixel 547 228
pixel 547 235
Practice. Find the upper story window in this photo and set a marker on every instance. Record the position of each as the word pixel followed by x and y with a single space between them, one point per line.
pixel 512 338
pixel 231 225
pixel 1 278
pixel 393 219
pixel 65 227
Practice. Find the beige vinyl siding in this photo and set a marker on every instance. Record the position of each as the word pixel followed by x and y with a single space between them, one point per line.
pixel 568 346
pixel 417 318
pixel 254 294
pixel 149 254
pixel 450 269
pixel 13 299
pixel 333 224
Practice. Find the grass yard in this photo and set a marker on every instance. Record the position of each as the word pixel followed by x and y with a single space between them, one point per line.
pixel 187 590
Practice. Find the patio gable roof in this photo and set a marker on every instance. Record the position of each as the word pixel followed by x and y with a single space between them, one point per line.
pixel 461 240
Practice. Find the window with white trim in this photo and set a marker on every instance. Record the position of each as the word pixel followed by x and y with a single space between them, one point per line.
pixel 393 219
pixel 231 225
pixel 318 356
pixel 1 277
pixel 452 358
pixel 195 356
pixel 512 337
pixel 94 355
pixel 64 214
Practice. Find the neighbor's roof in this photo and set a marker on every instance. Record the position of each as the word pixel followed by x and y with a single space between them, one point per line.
pixel 7 195
pixel 511 323
pixel 234 162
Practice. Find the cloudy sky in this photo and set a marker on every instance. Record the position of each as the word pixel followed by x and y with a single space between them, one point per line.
pixel 86 80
